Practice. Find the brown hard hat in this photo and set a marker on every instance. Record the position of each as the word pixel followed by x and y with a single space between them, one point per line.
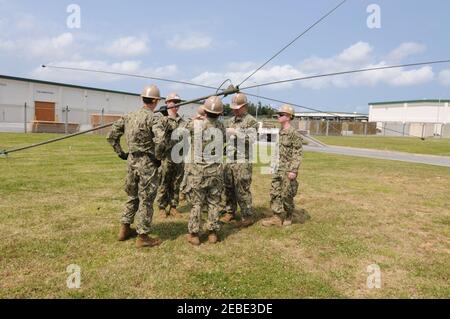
pixel 288 109
pixel 173 97
pixel 213 105
pixel 239 100
pixel 151 91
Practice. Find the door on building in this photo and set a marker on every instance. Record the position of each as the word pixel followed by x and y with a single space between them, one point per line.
pixel 44 111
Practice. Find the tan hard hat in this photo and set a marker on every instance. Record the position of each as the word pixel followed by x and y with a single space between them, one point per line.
pixel 288 109
pixel 173 97
pixel 213 105
pixel 239 100
pixel 151 91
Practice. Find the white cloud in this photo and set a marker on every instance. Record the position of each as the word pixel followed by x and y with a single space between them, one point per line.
pixel 405 50
pixel 358 56
pixel 131 66
pixel 128 46
pixel 58 46
pixel 412 77
pixel 444 77
pixel 358 52
pixel 241 66
pixel 190 42
pixel 275 73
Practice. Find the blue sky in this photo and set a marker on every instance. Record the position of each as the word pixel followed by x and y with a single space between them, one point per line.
pixel 208 41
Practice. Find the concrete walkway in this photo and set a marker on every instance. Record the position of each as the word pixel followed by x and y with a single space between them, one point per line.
pixel 378 154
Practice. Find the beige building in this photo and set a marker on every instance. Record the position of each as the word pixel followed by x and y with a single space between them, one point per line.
pixel 35 105
pixel 421 118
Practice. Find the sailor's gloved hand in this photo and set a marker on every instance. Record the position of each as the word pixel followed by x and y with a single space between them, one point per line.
pixel 123 156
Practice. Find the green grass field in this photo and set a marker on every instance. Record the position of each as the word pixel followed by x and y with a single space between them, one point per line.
pixel 60 205
pixel 430 146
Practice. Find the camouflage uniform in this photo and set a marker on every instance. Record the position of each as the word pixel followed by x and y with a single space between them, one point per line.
pixel 144 133
pixel 283 189
pixel 238 176
pixel 171 172
pixel 204 184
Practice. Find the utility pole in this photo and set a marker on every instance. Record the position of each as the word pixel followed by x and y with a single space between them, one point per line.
pixel 257 105
pixel 66 121
pixel 25 118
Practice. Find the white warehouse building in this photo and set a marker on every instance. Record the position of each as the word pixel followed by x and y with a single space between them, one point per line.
pixel 40 106
pixel 421 118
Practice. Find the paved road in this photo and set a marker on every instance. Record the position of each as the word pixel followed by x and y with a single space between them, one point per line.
pixel 386 155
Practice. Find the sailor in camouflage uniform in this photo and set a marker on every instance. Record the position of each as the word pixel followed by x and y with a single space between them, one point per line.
pixel 204 184
pixel 144 133
pixel 242 133
pixel 172 170
pixel 284 181
pixel 201 115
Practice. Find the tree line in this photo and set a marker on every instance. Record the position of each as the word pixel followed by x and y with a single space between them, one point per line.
pixel 263 110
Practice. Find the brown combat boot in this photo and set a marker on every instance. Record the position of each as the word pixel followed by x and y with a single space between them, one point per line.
pixel 193 239
pixel 288 221
pixel 144 241
pixel 275 220
pixel 174 212
pixel 212 237
pixel 245 222
pixel 227 218
pixel 162 213
pixel 125 232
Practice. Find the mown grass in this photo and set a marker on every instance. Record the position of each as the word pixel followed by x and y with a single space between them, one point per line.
pixel 430 146
pixel 60 204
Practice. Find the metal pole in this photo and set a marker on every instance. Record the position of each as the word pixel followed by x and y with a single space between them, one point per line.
pixel 384 128
pixel 423 129
pixel 257 106
pixel 365 128
pixel 66 121
pixel 328 126
pixel 101 118
pixel 25 118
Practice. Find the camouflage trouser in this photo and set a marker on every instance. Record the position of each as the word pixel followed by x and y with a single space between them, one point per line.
pixel 282 194
pixel 238 179
pixel 169 185
pixel 204 191
pixel 141 185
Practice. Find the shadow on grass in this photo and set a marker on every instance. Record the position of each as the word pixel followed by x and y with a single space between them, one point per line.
pixel 172 229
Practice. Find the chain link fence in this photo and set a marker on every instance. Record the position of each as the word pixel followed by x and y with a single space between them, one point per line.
pixel 393 129
pixel 333 128
pixel 24 118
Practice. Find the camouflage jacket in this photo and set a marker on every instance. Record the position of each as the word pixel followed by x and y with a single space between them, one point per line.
pixel 144 132
pixel 247 128
pixel 204 159
pixel 170 141
pixel 290 150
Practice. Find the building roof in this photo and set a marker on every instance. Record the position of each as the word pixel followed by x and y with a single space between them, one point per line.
pixel 6 77
pixel 329 114
pixel 411 101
